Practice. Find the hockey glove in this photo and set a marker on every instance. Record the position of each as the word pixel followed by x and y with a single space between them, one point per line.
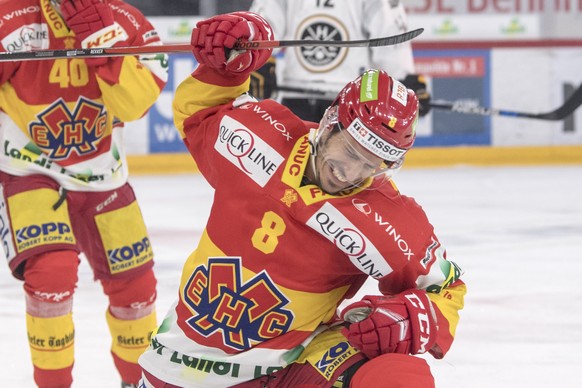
pixel 93 24
pixel 417 83
pixel 264 80
pixel 404 323
pixel 213 39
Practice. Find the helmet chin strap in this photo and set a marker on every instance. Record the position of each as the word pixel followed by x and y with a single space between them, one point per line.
pixel 57 6
pixel 313 140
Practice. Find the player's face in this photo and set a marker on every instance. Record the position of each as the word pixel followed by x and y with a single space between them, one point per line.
pixel 341 162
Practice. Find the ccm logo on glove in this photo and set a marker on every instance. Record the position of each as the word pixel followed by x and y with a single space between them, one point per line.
pixel 423 321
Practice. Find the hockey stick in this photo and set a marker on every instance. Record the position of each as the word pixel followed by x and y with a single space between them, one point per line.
pixel 186 48
pixel 387 41
pixel 560 113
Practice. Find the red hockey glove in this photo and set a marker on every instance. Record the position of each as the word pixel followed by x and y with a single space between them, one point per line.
pixel 93 24
pixel 403 323
pixel 417 83
pixel 212 39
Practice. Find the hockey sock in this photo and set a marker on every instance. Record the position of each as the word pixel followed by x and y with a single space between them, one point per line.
pixel 49 284
pixel 130 338
pixel 51 342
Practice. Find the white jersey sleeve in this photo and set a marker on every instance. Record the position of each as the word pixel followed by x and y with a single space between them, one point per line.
pixel 274 12
pixel 386 18
pixel 330 68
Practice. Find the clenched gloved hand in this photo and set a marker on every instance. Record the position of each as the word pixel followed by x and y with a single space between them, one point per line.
pixel 213 39
pixel 93 23
pixel 404 323
pixel 417 83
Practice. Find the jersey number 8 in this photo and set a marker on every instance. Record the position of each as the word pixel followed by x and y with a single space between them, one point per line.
pixel 266 238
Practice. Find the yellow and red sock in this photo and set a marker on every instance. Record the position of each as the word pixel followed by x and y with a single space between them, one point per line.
pixel 51 342
pixel 130 338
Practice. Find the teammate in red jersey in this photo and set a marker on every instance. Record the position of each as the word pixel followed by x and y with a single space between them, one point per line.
pixel 63 175
pixel 304 213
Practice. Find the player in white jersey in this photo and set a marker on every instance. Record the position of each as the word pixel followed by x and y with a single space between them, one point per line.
pixel 328 69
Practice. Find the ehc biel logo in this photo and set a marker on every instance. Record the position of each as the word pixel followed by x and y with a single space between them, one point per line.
pixel 60 132
pixel 244 313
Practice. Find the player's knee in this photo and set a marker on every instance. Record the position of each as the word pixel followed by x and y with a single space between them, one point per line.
pixel 49 281
pixel 394 371
pixel 132 297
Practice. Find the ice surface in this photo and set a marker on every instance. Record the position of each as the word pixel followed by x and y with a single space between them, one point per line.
pixel 516 231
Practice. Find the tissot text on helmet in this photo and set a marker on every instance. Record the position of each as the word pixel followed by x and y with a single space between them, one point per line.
pixel 374 143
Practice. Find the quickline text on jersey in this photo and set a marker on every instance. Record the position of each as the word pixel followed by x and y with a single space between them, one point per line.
pixel 241 146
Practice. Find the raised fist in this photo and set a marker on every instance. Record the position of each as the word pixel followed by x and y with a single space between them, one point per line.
pixel 404 323
pixel 93 24
pixel 213 39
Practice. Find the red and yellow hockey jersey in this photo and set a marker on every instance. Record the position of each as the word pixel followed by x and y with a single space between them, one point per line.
pixel 61 117
pixel 277 257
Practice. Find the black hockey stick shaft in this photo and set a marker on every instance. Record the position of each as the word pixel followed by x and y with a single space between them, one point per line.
pixel 186 48
pixel 560 113
pixel 376 42
pixel 566 109
pixel 93 52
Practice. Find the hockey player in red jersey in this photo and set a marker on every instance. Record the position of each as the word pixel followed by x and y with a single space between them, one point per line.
pixel 304 213
pixel 63 175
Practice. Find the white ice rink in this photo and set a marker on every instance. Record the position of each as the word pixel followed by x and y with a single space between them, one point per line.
pixel 516 231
